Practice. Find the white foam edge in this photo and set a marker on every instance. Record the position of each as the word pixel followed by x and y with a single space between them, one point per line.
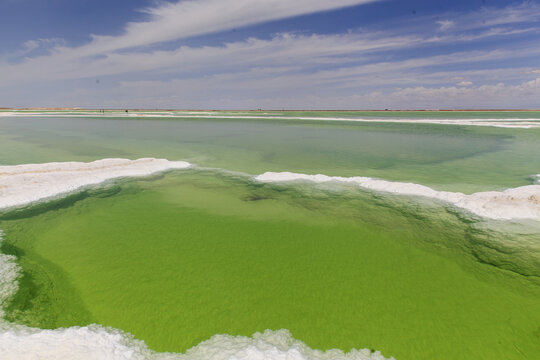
pixel 516 203
pixel 21 185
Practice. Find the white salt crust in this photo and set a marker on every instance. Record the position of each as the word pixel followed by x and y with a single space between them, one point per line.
pixel 518 203
pixel 25 184
pixel 98 343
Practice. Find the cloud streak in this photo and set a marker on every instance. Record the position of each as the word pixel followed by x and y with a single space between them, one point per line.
pixel 173 21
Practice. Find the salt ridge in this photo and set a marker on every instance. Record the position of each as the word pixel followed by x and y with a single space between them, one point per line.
pixel 25 184
pixel 517 203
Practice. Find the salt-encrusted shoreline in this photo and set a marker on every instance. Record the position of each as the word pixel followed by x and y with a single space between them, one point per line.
pixel 517 203
pixel 97 343
pixel 21 185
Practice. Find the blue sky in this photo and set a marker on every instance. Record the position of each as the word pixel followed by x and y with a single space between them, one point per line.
pixel 245 54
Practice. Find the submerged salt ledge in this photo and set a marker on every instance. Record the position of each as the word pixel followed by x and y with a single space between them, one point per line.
pixel 517 203
pixel 24 184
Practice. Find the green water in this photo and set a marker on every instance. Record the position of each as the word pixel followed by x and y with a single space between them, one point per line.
pixel 456 158
pixel 177 258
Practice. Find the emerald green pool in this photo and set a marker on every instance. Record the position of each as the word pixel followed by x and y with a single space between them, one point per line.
pixel 176 258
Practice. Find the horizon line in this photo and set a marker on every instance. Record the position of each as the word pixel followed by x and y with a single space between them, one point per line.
pixel 255 110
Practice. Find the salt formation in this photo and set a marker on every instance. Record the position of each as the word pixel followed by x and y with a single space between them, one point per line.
pixel 98 343
pixel 517 203
pixel 9 272
pixel 25 184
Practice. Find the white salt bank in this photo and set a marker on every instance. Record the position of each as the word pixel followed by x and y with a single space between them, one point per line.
pixel 97 343
pixel 517 203
pixel 25 184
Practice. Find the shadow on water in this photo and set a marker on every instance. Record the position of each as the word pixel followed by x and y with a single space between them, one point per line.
pixel 506 247
pixel 37 302
pixel 63 201
pixel 58 203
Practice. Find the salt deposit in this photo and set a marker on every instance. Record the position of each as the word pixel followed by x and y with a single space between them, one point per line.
pixel 9 272
pixel 517 203
pixel 25 184
pixel 98 343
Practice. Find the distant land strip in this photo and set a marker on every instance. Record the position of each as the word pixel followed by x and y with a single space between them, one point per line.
pixel 259 110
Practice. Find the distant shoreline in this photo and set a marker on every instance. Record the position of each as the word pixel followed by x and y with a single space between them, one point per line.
pixel 262 110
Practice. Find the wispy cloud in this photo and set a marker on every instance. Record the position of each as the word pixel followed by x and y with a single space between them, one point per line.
pixel 487 96
pixel 527 12
pixel 445 24
pixel 341 66
pixel 289 50
pixel 195 93
pixel 172 21
pixel 350 55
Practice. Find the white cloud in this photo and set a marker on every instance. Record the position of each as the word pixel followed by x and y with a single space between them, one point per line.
pixel 284 50
pixel 282 68
pixel 445 24
pixel 265 72
pixel 172 21
pixel 30 45
pixel 265 88
pixel 350 55
pixel 527 12
pixel 496 96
